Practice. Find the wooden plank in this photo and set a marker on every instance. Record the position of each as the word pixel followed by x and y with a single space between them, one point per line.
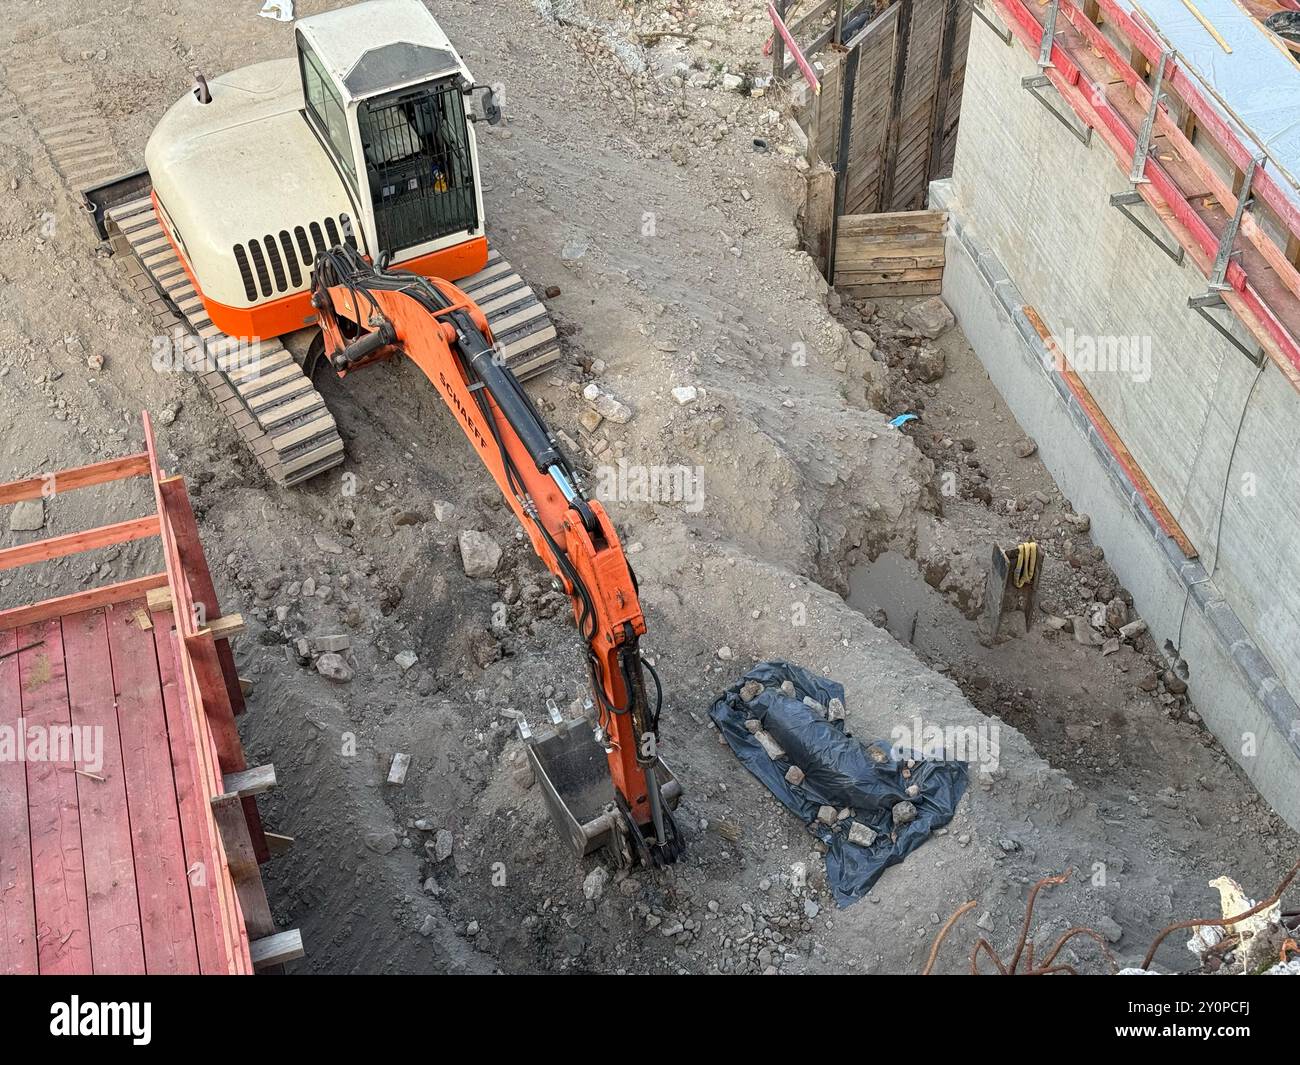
pixel 252 781
pixel 902 46
pixel 278 843
pixel 68 480
pixel 870 254
pixel 202 653
pixel 901 247
pixel 17 897
pixel 197 831
pixel 872 277
pixel 58 872
pixel 234 936
pixel 903 288
pixel 79 601
pixel 185 530
pixel 276 949
pixel 943 95
pixel 228 810
pixel 222 627
pixel 115 933
pixel 166 917
pixel 226 627
pixel 819 207
pixel 894 222
pixel 931 265
pixel 74 543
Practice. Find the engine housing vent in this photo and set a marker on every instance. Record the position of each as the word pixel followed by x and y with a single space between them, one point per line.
pixel 279 263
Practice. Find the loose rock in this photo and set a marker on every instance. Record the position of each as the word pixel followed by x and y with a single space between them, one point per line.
pixel 335 668
pixel 479 553
pixel 28 515
pixel 931 318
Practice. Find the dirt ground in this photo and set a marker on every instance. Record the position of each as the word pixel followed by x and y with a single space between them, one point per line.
pixel 627 176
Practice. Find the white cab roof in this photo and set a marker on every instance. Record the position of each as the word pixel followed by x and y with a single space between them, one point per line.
pixel 381 44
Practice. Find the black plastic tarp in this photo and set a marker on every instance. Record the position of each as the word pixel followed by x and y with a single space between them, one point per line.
pixel 839 771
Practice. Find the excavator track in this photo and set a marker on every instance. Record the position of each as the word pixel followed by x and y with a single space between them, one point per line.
pixel 257 385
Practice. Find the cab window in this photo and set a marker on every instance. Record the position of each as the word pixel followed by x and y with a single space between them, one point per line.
pixel 326 108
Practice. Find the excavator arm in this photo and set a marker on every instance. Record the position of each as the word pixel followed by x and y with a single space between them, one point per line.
pixel 368 313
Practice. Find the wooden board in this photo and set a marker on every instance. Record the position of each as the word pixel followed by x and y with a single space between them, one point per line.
pixel 895 254
pixel 73 543
pixel 79 601
pixel 53 816
pixel 156 840
pixel 906 288
pixel 895 223
pixel 105 820
pixel 17 898
pixel 196 834
pixel 81 477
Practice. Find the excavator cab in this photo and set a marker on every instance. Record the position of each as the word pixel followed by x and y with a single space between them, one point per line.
pixel 397 119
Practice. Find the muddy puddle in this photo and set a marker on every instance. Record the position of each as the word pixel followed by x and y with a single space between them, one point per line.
pixel 914 613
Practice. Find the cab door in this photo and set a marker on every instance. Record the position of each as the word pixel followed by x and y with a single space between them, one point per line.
pixel 418 167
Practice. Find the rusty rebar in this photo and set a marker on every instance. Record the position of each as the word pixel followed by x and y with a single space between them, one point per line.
pixel 975 954
pixel 1078 930
pixel 1060 878
pixel 943 932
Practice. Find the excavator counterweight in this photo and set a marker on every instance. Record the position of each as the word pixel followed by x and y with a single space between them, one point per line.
pixel 602 775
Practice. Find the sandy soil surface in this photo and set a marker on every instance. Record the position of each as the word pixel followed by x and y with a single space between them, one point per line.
pixel 626 176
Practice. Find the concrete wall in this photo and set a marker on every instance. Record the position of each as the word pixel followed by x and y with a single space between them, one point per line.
pixel 1032 225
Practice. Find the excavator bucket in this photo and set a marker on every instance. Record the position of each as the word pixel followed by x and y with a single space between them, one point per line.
pixel 573 772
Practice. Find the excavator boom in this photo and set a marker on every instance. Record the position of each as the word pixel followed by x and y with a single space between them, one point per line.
pixel 367 313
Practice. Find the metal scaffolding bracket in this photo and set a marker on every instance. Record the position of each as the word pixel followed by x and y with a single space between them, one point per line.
pixel 1219 273
pixel 1035 83
pixel 1202 305
pixel 1049 34
pixel 1143 149
pixel 991 20
pixel 1124 201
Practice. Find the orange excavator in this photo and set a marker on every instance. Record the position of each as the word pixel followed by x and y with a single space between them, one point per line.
pixel 602 776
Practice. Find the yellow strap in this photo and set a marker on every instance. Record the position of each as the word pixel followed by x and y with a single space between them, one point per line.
pixel 1026 562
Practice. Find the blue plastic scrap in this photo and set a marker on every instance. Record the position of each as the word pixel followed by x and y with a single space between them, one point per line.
pixel 838 771
pixel 902 420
